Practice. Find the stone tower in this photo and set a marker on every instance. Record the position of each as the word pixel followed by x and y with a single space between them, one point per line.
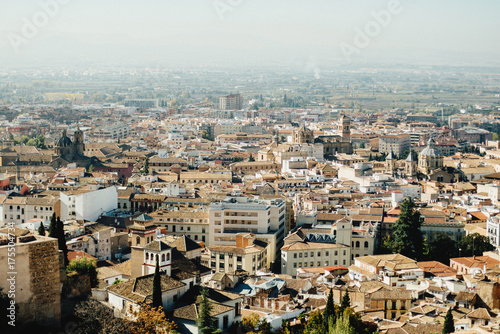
pixel 390 162
pixel 344 128
pixel 78 145
pixel 410 165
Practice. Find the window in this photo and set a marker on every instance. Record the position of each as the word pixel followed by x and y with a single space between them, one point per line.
pixel 294 255
pixel 366 244
pixel 312 254
pixel 336 253
pixel 305 254
pixel 357 244
pixel 295 265
pixel 319 253
pixel 168 256
pixel 163 258
pixel 300 254
pixel 147 256
pixel 225 321
pixel 327 253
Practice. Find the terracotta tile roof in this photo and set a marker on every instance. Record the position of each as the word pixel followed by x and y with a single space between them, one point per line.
pixel 140 289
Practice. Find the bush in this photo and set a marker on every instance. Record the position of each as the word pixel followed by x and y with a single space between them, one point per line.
pixel 84 266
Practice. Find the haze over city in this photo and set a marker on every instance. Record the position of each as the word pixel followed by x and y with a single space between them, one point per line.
pixel 222 32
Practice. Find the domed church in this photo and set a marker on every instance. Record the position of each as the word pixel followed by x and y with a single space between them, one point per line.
pixel 429 159
pixel 430 164
pixel 71 150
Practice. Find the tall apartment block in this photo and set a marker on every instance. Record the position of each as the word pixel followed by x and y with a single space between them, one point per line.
pixel 230 102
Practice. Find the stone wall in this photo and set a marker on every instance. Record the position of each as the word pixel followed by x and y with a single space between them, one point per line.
pixel 489 292
pixel 37 282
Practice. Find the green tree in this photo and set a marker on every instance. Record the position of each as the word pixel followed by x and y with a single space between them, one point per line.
pixel 474 244
pixel 346 301
pixel 329 311
pixel 448 326
pixel 41 229
pixel 495 136
pixel 206 323
pixel 61 238
pixel 145 169
pixel 251 159
pixel 442 249
pixel 408 240
pixel 84 266
pixel 52 226
pixel 157 302
pixel 362 144
pixel 91 169
pixel 314 323
pixel 341 326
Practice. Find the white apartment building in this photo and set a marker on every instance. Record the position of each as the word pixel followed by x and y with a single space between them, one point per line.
pixel 20 210
pixel 246 254
pixel 230 102
pixel 493 230
pixel 264 218
pixel 114 131
pixel 88 204
pixel 300 254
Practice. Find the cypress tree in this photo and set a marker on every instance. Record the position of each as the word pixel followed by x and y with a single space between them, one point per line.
pixel 448 326
pixel 52 226
pixel 41 229
pixel 206 323
pixel 329 312
pixel 346 301
pixel 61 239
pixel 157 286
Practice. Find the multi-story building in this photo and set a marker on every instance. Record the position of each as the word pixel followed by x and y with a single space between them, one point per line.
pixel 230 102
pixel 226 128
pixel 240 138
pixel 264 218
pixel 395 143
pixel 493 230
pixel 19 210
pixel 191 223
pixel 141 103
pixel 87 204
pixel 303 254
pixel 96 241
pixel 114 131
pixel 246 254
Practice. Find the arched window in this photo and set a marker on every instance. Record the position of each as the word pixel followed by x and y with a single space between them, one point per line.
pixel 357 244
pixel 168 256
pixel 163 258
pixel 147 256
pixel 138 241
pixel 366 244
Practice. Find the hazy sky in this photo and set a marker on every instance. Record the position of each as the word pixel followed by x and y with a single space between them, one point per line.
pixel 187 32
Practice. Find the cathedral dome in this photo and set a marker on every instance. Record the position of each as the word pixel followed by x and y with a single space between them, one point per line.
pixel 64 141
pixel 430 150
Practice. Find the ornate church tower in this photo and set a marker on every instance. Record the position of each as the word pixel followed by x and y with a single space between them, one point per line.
pixel 390 163
pixel 410 165
pixel 344 128
pixel 78 145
